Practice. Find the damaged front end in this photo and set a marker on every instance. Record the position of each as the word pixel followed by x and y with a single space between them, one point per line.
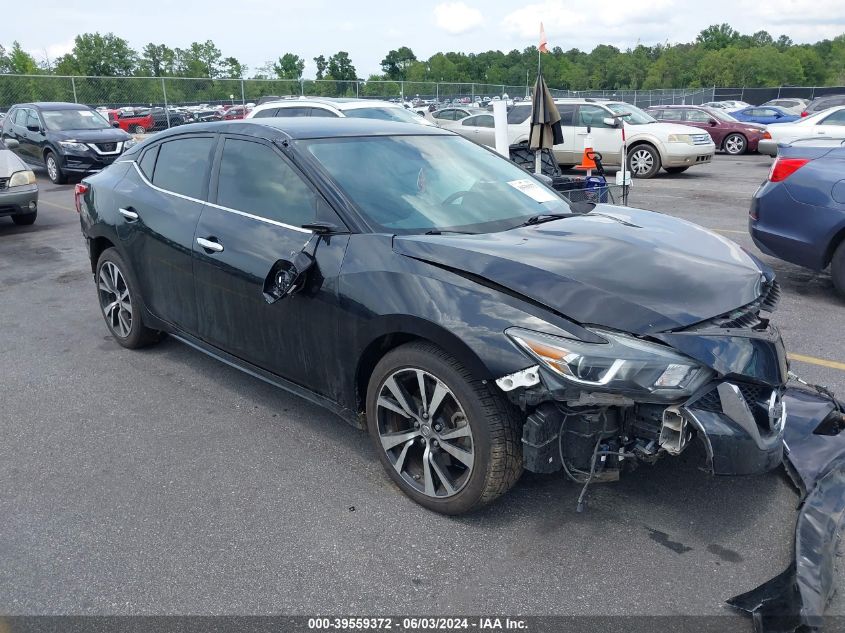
pixel 596 407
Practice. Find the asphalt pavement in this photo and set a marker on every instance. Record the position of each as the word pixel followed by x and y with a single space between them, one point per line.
pixel 162 481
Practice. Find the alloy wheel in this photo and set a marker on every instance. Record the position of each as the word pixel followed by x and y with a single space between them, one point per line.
pixel 114 299
pixel 52 168
pixel 734 144
pixel 642 162
pixel 425 433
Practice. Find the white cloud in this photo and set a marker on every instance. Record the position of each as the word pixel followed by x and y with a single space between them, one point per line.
pixel 52 51
pixel 567 19
pixel 456 17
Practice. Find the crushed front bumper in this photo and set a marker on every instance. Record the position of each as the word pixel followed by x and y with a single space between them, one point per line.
pixel 739 416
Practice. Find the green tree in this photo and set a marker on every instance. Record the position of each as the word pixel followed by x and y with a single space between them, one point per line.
pixel 289 66
pixel 340 67
pixel 17 61
pixel 322 65
pixel 98 55
pixel 717 36
pixel 157 60
pixel 396 62
pixel 231 68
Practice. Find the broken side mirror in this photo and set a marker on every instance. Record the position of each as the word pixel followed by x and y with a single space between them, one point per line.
pixel 287 276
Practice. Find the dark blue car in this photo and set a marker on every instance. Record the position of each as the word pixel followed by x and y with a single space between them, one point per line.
pixel 798 214
pixel 764 115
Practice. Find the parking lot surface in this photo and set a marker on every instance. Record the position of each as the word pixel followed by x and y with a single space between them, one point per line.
pixel 162 481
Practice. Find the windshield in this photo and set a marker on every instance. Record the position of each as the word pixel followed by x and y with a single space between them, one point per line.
pixel 417 184
pixel 636 116
pixel 721 115
pixel 383 113
pixel 58 120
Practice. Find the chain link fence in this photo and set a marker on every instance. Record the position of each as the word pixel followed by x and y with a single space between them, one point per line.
pixel 173 99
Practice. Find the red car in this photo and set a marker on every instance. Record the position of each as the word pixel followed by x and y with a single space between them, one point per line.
pixel 731 136
pixel 132 122
pixel 236 112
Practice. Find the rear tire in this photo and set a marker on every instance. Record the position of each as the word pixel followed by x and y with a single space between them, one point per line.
pixel 837 269
pixel 139 129
pixel 463 455
pixel 120 302
pixel 25 219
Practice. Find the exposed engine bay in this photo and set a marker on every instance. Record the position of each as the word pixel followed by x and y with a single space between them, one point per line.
pixel 594 414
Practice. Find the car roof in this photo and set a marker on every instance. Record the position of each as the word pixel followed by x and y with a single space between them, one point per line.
pixel 307 128
pixel 55 105
pixel 339 103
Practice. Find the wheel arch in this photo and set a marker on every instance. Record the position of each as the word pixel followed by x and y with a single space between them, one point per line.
pixel 833 244
pixel 412 330
pixel 96 246
pixel 651 142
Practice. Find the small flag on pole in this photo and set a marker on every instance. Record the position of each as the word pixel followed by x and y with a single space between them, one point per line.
pixel 544 48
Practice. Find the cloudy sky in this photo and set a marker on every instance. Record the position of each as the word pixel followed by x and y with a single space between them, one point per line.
pixel 258 30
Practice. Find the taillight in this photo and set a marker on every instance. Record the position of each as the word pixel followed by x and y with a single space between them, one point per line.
pixel 80 190
pixel 767 135
pixel 783 168
pixel 805 113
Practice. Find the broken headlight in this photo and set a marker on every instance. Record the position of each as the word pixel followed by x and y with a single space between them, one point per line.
pixel 621 364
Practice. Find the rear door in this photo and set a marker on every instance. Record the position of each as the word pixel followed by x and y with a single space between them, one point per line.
pixel 160 201
pixel 567 153
pixel 833 125
pixel 259 203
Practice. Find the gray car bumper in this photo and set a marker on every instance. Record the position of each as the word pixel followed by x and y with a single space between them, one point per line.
pixel 19 200
pixel 768 147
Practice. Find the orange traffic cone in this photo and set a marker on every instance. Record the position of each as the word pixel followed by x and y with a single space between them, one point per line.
pixel 587 162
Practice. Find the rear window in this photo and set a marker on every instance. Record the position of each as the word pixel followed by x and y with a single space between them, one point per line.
pixel 148 162
pixel 519 114
pixel 182 166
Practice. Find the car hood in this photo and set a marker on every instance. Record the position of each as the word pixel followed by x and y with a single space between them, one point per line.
pixel 106 135
pixel 9 163
pixel 626 269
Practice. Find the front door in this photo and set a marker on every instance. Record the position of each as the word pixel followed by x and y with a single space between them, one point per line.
pixel 259 203
pixel 703 121
pixel 607 140
pixel 160 202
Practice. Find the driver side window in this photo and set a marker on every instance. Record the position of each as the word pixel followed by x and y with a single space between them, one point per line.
pixel 592 116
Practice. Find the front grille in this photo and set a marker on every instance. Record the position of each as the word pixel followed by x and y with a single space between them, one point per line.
pixel 755 396
pixel 701 139
pixel 106 147
pixel 746 317
pixel 770 296
pixel 4 182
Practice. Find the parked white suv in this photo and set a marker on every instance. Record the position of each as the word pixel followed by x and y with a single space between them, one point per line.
pixel 326 107
pixel 651 144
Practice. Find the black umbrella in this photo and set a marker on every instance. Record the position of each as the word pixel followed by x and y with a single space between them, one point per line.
pixel 545 122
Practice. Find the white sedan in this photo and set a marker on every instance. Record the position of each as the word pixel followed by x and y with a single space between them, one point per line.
pixel 825 124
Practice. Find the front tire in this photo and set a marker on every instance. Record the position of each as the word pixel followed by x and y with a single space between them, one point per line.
pixel 837 269
pixel 54 170
pixel 735 144
pixel 120 302
pixel 25 219
pixel 643 161
pixel 445 438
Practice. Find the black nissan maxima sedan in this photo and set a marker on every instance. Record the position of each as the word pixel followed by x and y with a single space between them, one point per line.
pixel 433 293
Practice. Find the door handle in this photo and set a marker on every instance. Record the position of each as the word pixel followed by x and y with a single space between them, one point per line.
pixel 210 245
pixel 129 214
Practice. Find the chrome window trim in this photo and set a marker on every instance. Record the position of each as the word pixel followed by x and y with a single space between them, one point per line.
pixel 118 146
pixel 147 182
